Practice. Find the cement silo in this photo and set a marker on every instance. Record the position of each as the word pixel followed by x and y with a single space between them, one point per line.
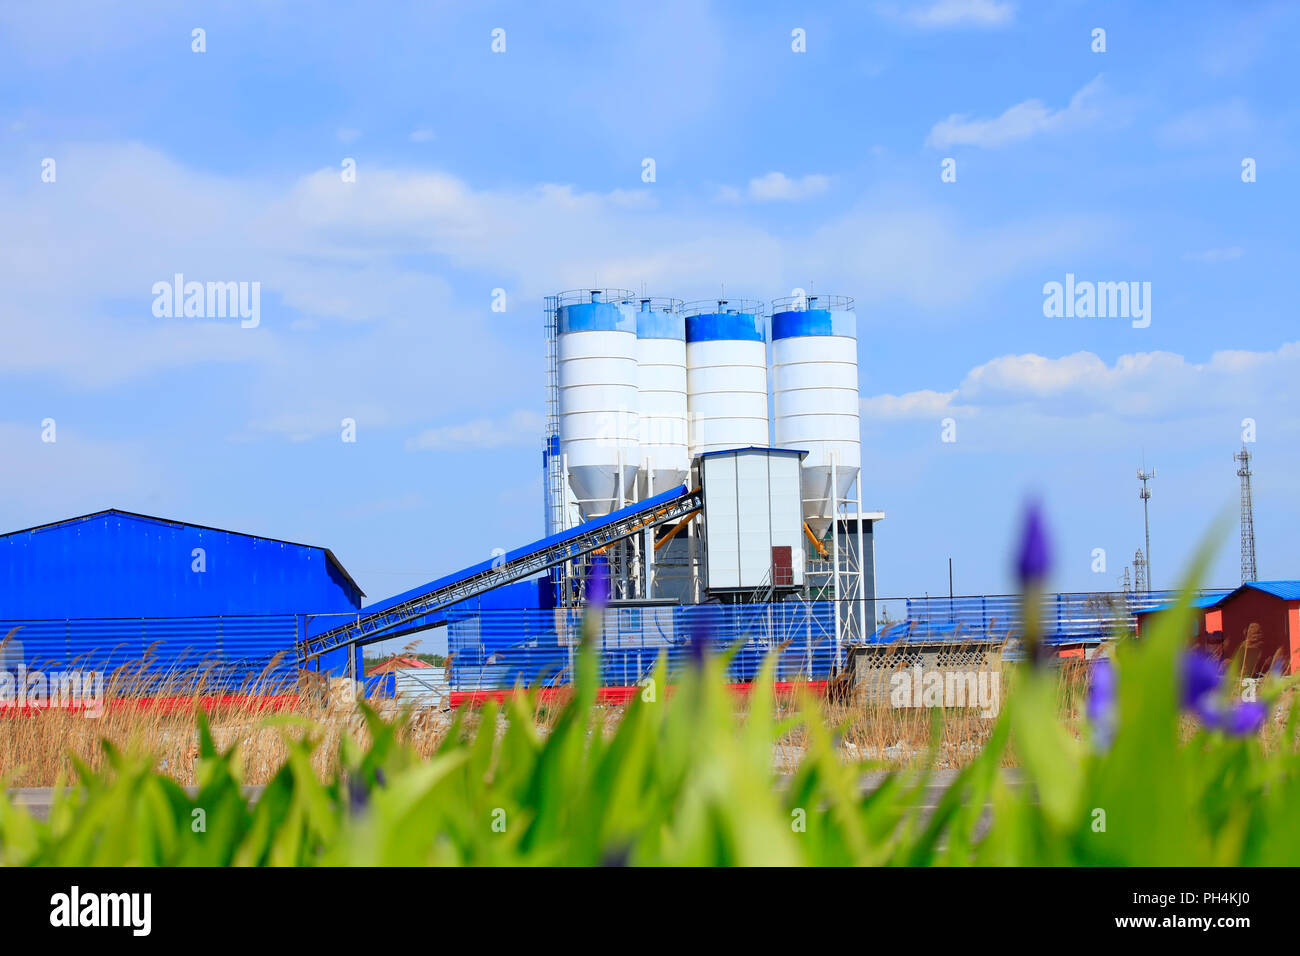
pixel 815 396
pixel 661 393
pixel 726 375
pixel 596 358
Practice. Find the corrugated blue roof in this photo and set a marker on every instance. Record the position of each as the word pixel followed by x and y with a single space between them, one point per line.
pixel 1286 590
pixel 1207 601
pixel 172 523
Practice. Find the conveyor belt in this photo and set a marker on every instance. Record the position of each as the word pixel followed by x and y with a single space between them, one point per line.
pixel 379 621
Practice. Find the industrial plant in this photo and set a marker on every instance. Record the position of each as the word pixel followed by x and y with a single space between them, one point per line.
pixel 706 453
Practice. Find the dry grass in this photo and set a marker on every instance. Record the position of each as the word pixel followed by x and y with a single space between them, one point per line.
pixel 155 714
pixel 37 748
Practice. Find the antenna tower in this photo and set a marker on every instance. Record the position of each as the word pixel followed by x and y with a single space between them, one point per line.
pixel 1247 518
pixel 1144 476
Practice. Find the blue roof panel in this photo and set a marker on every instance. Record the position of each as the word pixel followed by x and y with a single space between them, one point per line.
pixel 1203 603
pixel 1286 590
pixel 120 564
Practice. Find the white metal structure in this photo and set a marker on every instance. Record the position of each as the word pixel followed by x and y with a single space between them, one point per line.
pixel 596 352
pixel 815 397
pixel 751 509
pixel 661 394
pixel 726 375
pixel 422 686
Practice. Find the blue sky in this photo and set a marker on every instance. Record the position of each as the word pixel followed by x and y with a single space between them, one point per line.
pixel 774 170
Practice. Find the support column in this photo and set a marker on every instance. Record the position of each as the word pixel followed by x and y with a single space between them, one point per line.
pixel 835 567
pixel 648 548
pixel 864 625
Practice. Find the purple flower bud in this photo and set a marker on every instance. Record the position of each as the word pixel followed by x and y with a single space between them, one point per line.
pixel 1245 719
pixel 1102 701
pixel 1208 713
pixel 699 639
pixel 358 794
pixel 1201 678
pixel 598 582
pixel 1102 688
pixel 1034 559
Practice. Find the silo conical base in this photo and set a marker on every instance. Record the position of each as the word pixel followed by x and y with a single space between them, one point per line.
pixel 661 480
pixel 817 503
pixel 596 487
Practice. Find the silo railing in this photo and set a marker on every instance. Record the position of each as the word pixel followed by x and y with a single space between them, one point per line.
pixel 724 305
pixel 812 300
pixel 580 296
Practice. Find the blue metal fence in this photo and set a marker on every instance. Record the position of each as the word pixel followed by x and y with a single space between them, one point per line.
pixel 1067 618
pixel 502 649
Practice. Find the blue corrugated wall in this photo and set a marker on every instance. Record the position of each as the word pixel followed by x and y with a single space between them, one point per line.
pixel 116 589
pixel 500 649
pixel 226 653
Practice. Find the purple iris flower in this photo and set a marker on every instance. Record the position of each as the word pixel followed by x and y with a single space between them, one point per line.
pixel 1245 718
pixel 598 582
pixel 1034 559
pixel 1103 696
pixel 1201 678
pixel 1103 691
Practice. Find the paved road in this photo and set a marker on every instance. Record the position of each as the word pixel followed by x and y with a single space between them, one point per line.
pixel 37 799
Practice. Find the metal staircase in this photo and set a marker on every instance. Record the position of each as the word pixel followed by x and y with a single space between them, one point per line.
pixel 381 621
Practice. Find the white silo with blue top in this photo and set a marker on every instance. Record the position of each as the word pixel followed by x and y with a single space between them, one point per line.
pixel 815 396
pixel 596 374
pixel 726 375
pixel 661 392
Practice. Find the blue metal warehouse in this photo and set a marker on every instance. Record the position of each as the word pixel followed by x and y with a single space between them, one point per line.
pixel 111 588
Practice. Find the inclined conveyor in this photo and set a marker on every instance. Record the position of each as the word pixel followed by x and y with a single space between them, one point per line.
pixel 396 615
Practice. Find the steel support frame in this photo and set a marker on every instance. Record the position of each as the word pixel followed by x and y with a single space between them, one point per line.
pixel 367 629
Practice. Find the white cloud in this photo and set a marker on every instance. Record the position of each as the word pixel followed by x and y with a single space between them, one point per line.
pixel 1142 386
pixel 359 316
pixel 522 427
pixel 927 258
pixel 422 135
pixel 347 136
pixel 1207 125
pixel 951 13
pixel 554 236
pixel 921 404
pixel 777 185
pixel 1018 123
